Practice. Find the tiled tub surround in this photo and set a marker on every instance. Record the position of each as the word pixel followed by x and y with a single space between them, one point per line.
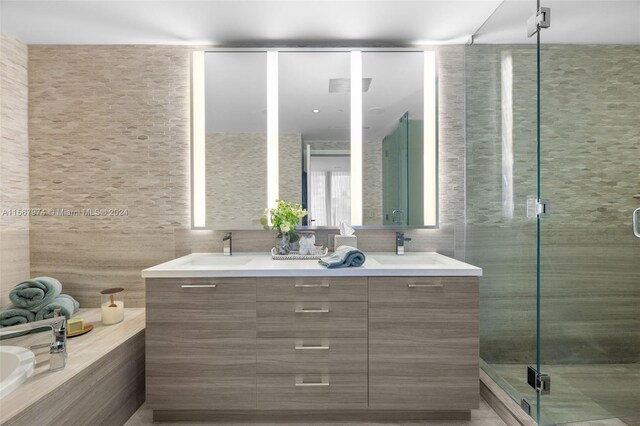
pixel 293 340
pixel 109 128
pixel 14 165
pixel 102 383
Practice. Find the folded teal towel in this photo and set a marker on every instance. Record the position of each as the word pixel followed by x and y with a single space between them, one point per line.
pixel 343 257
pixel 36 293
pixel 12 315
pixel 67 305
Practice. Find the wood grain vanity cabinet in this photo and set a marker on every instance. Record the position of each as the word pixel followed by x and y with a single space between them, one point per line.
pixel 201 343
pixel 423 343
pixel 321 344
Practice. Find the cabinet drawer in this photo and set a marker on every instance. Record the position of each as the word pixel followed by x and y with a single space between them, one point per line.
pixel 312 319
pixel 312 355
pixel 165 296
pixel 313 289
pixel 201 393
pixel 296 391
pixel 460 292
pixel 424 393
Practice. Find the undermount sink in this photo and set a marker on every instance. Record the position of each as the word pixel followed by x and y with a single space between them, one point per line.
pixel 422 259
pixel 16 365
pixel 216 260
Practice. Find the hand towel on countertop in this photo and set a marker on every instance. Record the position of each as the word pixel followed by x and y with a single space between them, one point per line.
pixel 344 257
pixel 12 315
pixel 67 305
pixel 36 293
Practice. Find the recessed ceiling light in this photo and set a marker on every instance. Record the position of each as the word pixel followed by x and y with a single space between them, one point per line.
pixel 315 111
pixel 376 111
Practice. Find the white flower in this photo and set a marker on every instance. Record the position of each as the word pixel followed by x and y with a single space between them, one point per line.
pixel 285 227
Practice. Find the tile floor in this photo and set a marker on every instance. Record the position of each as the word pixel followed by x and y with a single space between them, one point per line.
pixel 484 416
pixel 582 392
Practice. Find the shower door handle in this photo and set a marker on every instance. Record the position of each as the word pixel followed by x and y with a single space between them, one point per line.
pixel 636 232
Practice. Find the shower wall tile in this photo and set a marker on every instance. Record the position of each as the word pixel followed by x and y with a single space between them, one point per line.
pixel 14 165
pixel 590 138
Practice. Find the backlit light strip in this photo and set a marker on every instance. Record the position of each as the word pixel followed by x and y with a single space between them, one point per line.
pixel 272 129
pixel 430 139
pixel 356 138
pixel 198 139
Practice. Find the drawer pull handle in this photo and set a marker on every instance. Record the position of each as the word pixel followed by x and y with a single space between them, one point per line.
pixel 308 348
pixel 312 311
pixel 430 285
pixel 324 285
pixel 309 384
pixel 199 285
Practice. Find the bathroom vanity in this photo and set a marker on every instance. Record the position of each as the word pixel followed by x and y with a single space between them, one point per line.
pixel 247 337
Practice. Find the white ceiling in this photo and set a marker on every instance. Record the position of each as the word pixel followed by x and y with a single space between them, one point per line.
pixel 313 22
pixel 242 22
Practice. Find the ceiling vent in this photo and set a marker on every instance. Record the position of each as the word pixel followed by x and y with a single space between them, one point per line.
pixel 343 85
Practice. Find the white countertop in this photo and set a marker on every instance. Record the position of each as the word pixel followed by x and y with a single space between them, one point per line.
pixel 203 265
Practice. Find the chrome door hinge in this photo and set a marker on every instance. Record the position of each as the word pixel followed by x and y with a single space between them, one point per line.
pixel 540 382
pixel 537 208
pixel 542 19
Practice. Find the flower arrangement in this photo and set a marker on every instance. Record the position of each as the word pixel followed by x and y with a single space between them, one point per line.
pixel 284 218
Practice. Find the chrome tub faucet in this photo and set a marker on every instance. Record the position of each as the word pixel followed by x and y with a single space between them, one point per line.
pixel 58 345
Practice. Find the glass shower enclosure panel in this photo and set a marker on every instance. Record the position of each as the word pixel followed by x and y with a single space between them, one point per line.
pixel 501 185
pixel 590 175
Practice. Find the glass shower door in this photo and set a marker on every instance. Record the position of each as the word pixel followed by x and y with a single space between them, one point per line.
pixel 589 124
pixel 501 179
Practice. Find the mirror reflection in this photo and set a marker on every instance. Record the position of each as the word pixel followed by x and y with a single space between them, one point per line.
pixel 314 99
pixel 314 130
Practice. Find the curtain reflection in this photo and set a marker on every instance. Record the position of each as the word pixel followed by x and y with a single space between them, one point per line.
pixel 330 198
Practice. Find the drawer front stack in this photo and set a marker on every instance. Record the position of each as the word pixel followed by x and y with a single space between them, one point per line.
pixel 312 343
pixel 201 344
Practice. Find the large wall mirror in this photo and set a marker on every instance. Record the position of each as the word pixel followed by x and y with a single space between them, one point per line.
pixel 351 135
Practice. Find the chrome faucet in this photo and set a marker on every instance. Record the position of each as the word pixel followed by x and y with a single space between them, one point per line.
pixel 227 248
pixel 58 345
pixel 400 240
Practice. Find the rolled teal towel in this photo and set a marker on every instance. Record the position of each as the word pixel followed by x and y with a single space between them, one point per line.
pixel 12 315
pixel 67 305
pixel 344 257
pixel 36 293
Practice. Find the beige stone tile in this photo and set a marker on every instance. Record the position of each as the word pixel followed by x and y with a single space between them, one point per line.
pixel 14 261
pixel 87 262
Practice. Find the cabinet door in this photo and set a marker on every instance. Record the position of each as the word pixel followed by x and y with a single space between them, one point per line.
pixel 201 343
pixel 423 343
